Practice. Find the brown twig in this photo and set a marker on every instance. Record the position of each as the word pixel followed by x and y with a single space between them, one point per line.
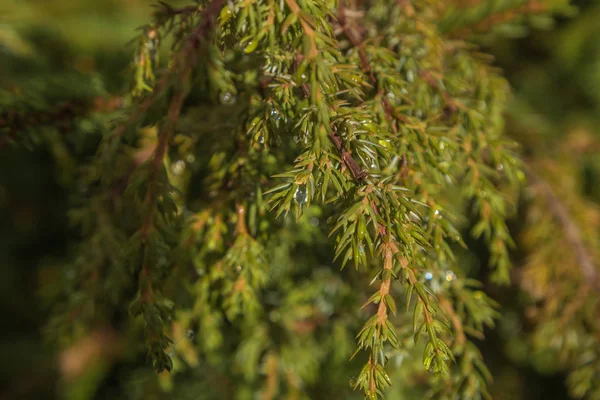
pixel 357 172
pixel 241 222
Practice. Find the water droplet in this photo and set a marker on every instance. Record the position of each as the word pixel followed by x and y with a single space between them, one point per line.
pixel 227 98
pixel 442 145
pixel 238 268
pixel 428 276
pixel 275 117
pixel 178 167
pixel 300 195
pixel 314 221
pixel 190 334
pixel 410 75
pixel 190 158
pixel 499 167
pixel 261 139
pixel 450 276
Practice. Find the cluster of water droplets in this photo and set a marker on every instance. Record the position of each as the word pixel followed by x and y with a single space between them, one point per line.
pixel 371 162
pixel 435 281
pixel 276 118
pixel 227 98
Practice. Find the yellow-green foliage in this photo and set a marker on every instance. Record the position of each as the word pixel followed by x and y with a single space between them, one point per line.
pixel 286 198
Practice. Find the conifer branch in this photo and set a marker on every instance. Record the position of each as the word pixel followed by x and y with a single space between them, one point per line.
pixel 306 25
pixel 157 162
pixel 182 70
pixel 372 378
pixel 490 17
pixel 13 122
pixel 571 231
pixel 356 40
pixel 351 122
pixel 154 308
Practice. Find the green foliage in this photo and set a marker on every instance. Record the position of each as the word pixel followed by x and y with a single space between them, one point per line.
pixel 512 18
pixel 265 148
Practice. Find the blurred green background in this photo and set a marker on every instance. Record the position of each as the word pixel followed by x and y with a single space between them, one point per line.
pixel 555 114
